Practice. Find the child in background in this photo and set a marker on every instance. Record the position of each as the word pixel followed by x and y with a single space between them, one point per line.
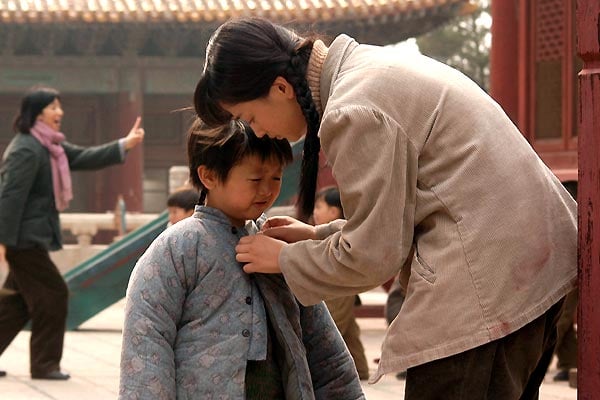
pixel 196 326
pixel 181 204
pixel 328 207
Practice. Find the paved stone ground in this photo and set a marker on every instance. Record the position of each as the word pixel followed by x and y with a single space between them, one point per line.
pixel 92 354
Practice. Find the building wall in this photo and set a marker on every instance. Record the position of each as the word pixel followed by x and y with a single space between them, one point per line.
pixel 101 101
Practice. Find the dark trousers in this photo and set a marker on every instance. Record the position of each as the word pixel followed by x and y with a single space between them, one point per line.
pixel 510 368
pixel 41 295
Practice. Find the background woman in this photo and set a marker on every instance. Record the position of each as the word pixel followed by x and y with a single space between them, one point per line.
pixel 35 184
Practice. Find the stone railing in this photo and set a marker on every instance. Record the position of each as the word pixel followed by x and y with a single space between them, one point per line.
pixel 84 226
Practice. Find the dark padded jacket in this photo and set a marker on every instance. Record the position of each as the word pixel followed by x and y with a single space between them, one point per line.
pixel 28 215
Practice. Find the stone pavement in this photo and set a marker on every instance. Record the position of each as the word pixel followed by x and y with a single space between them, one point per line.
pixel 91 356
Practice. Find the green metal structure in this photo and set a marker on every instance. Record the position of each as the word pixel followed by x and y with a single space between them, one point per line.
pixel 102 280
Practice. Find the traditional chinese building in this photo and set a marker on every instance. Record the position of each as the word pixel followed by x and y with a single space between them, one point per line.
pixel 113 60
pixel 533 75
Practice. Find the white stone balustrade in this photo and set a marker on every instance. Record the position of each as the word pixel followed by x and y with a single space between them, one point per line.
pixel 86 225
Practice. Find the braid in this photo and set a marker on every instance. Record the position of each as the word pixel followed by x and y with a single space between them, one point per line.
pixel 202 198
pixel 296 74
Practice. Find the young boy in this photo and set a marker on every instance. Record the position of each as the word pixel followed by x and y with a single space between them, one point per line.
pixel 197 326
pixel 181 204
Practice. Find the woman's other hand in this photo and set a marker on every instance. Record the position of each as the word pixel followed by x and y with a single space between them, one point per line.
pixel 260 253
pixel 288 229
pixel 135 135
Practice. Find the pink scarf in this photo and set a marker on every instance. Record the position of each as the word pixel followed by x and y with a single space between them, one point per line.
pixel 61 175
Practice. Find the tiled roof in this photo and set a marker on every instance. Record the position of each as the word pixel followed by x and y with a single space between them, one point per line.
pixel 134 11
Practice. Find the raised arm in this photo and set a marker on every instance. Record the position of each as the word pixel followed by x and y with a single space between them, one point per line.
pixel 95 157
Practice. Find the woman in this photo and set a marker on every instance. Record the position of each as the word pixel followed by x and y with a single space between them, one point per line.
pixel 424 158
pixel 35 184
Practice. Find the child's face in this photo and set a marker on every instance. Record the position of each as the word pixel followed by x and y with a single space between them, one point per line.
pixel 324 213
pixel 250 188
pixel 176 214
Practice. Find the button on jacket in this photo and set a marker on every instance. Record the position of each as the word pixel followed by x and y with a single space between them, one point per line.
pixel 193 319
pixel 424 157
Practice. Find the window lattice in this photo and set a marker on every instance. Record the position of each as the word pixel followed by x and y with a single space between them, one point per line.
pixel 549 30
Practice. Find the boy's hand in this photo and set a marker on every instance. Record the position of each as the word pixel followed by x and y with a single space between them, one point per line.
pixel 288 229
pixel 260 253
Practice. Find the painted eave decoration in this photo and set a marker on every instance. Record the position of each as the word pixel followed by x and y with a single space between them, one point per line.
pixel 216 11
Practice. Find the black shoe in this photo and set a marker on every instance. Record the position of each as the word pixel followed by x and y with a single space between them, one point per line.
pixel 561 376
pixel 2 373
pixel 53 376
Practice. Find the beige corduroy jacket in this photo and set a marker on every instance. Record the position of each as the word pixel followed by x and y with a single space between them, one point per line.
pixel 423 156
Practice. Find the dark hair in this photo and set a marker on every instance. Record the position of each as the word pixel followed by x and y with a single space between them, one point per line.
pixel 243 59
pixel 32 104
pixel 331 196
pixel 183 198
pixel 219 149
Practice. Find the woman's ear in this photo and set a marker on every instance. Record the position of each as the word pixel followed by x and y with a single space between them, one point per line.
pixel 281 86
pixel 207 177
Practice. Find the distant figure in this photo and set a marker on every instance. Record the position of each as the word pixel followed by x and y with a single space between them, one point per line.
pixel 181 204
pixel 197 326
pixel 328 208
pixel 35 184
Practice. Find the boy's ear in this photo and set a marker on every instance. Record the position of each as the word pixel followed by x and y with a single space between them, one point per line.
pixel 207 177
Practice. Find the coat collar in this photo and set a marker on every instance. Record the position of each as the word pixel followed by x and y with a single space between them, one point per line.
pixel 339 50
pixel 217 216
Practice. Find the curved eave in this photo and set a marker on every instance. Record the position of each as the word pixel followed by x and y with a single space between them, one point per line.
pixel 211 11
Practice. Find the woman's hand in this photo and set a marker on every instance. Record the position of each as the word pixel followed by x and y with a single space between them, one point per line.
pixel 135 135
pixel 288 229
pixel 260 253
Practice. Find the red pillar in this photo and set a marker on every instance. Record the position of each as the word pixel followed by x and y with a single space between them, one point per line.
pixel 504 56
pixel 588 318
pixel 131 174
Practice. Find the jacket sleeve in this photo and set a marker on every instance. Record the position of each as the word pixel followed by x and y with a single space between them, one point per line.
pixel 375 166
pixel 332 369
pixel 155 297
pixel 95 157
pixel 18 174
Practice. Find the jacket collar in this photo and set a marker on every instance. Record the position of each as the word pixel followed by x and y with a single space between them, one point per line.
pixel 217 216
pixel 339 50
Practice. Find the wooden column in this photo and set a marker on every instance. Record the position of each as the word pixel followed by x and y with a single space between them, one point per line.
pixel 126 179
pixel 504 56
pixel 588 39
pixel 131 180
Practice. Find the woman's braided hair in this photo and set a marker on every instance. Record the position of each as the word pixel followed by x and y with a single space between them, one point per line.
pixel 243 58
